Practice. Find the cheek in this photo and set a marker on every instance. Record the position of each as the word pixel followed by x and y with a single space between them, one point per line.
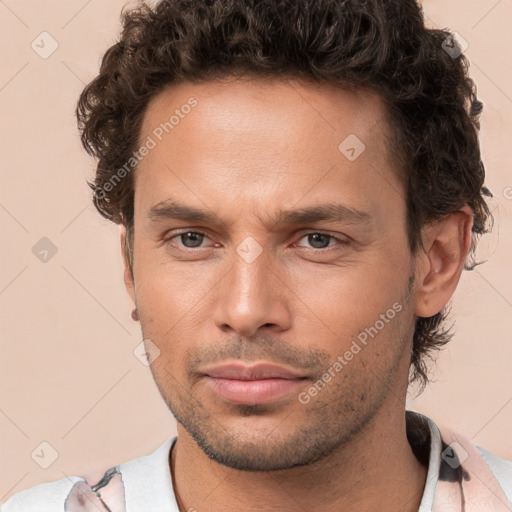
pixel 170 294
pixel 344 300
pixel 161 280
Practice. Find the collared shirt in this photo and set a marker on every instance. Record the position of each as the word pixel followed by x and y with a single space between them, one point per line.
pixel 461 477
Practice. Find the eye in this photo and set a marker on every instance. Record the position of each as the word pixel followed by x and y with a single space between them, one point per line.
pixel 321 240
pixel 188 239
pixel 194 240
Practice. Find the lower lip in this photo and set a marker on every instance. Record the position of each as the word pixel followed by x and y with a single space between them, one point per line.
pixel 252 392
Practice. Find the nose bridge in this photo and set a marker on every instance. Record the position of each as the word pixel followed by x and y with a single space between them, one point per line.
pixel 250 269
pixel 251 295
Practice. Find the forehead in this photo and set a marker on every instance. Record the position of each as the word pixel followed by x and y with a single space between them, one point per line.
pixel 263 137
pixel 255 104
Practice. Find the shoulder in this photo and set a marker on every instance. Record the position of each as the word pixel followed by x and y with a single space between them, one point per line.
pixel 129 479
pixel 47 497
pixel 501 469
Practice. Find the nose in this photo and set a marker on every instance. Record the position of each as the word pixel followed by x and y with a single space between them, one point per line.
pixel 253 295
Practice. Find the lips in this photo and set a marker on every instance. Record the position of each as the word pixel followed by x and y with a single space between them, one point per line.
pixel 251 385
pixel 256 372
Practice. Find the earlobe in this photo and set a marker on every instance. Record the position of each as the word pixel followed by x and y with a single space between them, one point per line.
pixel 441 260
pixel 128 277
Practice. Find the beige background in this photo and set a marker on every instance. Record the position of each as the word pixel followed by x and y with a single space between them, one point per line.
pixel 69 376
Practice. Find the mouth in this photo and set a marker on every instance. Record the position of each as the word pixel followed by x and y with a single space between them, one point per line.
pixel 252 385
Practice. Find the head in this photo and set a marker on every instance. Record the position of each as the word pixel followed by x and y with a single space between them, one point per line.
pixel 296 181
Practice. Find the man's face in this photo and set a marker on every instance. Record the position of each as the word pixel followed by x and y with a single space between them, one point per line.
pixel 250 286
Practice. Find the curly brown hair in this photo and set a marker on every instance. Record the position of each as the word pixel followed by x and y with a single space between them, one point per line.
pixel 379 45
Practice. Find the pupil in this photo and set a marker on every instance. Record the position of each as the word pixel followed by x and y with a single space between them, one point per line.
pixel 194 237
pixel 325 237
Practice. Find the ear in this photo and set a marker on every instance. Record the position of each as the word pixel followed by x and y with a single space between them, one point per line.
pixel 441 260
pixel 128 277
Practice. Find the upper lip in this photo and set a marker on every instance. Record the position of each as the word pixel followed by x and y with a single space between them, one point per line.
pixel 239 371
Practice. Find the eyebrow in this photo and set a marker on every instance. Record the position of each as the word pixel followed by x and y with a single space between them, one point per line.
pixel 171 209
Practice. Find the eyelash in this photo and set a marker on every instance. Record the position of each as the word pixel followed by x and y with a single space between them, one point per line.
pixel 341 241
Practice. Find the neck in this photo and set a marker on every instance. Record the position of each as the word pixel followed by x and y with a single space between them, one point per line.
pixel 375 469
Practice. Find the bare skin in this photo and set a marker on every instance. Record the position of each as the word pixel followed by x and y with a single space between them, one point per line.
pixel 245 152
